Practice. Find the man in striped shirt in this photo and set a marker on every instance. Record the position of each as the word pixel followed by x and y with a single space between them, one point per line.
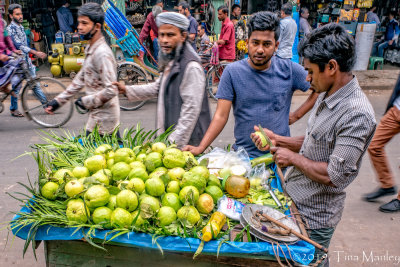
pixel 327 159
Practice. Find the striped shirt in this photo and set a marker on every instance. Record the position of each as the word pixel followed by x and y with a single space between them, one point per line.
pixel 339 131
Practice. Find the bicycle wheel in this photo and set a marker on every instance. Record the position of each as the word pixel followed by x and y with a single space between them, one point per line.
pixel 34 108
pixel 212 79
pixel 131 75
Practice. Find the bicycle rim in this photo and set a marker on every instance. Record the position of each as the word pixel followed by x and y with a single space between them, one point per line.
pixel 34 108
pixel 212 82
pixel 130 75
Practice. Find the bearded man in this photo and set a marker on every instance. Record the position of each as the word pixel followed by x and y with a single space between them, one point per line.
pixel 182 102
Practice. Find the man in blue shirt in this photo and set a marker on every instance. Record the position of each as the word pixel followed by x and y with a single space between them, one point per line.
pixel 64 16
pixel 260 88
pixel 288 31
pixel 17 33
pixel 183 9
pixel 391 35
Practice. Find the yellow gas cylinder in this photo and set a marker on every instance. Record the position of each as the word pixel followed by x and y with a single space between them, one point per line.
pixel 73 63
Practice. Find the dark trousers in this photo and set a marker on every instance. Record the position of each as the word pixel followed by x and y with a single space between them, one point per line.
pixel 323 237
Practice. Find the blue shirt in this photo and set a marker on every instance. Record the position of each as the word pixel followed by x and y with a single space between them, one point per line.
pixel 18 36
pixel 261 97
pixel 193 29
pixel 65 19
pixel 392 30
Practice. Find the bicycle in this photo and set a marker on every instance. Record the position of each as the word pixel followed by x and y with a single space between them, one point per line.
pixel 213 72
pixel 131 74
pixel 35 94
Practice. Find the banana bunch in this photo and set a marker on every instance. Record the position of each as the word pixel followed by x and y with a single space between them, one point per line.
pixel 242 46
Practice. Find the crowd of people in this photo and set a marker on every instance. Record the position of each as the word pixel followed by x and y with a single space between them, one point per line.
pixel 320 164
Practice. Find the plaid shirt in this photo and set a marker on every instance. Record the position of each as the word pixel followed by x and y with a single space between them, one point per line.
pixel 96 76
pixel 18 36
pixel 339 131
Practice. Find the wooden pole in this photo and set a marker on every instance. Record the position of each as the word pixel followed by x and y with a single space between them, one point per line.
pixel 293 206
pixel 305 238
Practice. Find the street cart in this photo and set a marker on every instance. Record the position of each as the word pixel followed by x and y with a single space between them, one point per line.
pixel 72 240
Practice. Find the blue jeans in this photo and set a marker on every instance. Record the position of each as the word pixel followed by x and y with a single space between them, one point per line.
pixel 155 48
pixel 379 48
pixel 16 82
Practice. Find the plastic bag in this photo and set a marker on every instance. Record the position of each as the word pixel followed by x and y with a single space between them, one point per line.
pixel 230 207
pixel 259 176
pixel 239 157
pixel 216 158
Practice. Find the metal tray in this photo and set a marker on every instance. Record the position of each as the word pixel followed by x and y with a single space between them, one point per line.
pixel 247 215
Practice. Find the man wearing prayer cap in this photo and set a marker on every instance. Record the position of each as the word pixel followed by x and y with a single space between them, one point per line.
pixel 182 102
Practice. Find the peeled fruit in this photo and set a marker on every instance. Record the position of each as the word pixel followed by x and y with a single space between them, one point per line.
pixel 189 193
pixel 176 174
pixel 190 178
pixel 171 200
pixel 166 215
pixel 121 218
pixel 49 190
pixel 137 185
pixel 238 170
pixel 153 161
pixel 127 200
pixel 215 192
pixel 158 147
pixel 124 155
pixel 76 212
pixel 139 219
pixel 101 177
pixel 96 196
pixel 137 164
pixel 120 171
pixel 102 149
pixel 155 187
pixel 139 173
pixel 201 171
pixel 102 216
pixel 61 173
pixel 189 215
pixel 237 186
pixel 173 158
pixel 205 204
pixel 213 180
pixel 95 163
pixel 255 182
pixel 262 138
pixel 80 172
pixel 149 206
pixel 73 188
pixel 173 187
pixel 112 203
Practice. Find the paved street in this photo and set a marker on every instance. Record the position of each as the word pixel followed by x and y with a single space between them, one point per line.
pixel 362 231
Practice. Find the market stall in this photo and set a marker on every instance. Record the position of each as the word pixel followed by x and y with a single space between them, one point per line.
pixel 104 199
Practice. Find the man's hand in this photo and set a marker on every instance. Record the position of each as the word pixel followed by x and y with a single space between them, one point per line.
pixel 121 87
pixel 257 140
pixel 221 42
pixel 51 107
pixel 3 57
pixel 39 54
pixel 283 157
pixel 391 42
pixel 19 52
pixel 195 150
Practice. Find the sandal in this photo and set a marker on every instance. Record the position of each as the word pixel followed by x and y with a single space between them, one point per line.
pixel 16 113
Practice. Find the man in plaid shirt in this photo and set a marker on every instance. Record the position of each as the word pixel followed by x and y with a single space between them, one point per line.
pixel 341 125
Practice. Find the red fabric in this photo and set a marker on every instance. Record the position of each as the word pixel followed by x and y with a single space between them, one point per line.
pixel 227 51
pixel 152 35
pixel 6 44
pixel 150 24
